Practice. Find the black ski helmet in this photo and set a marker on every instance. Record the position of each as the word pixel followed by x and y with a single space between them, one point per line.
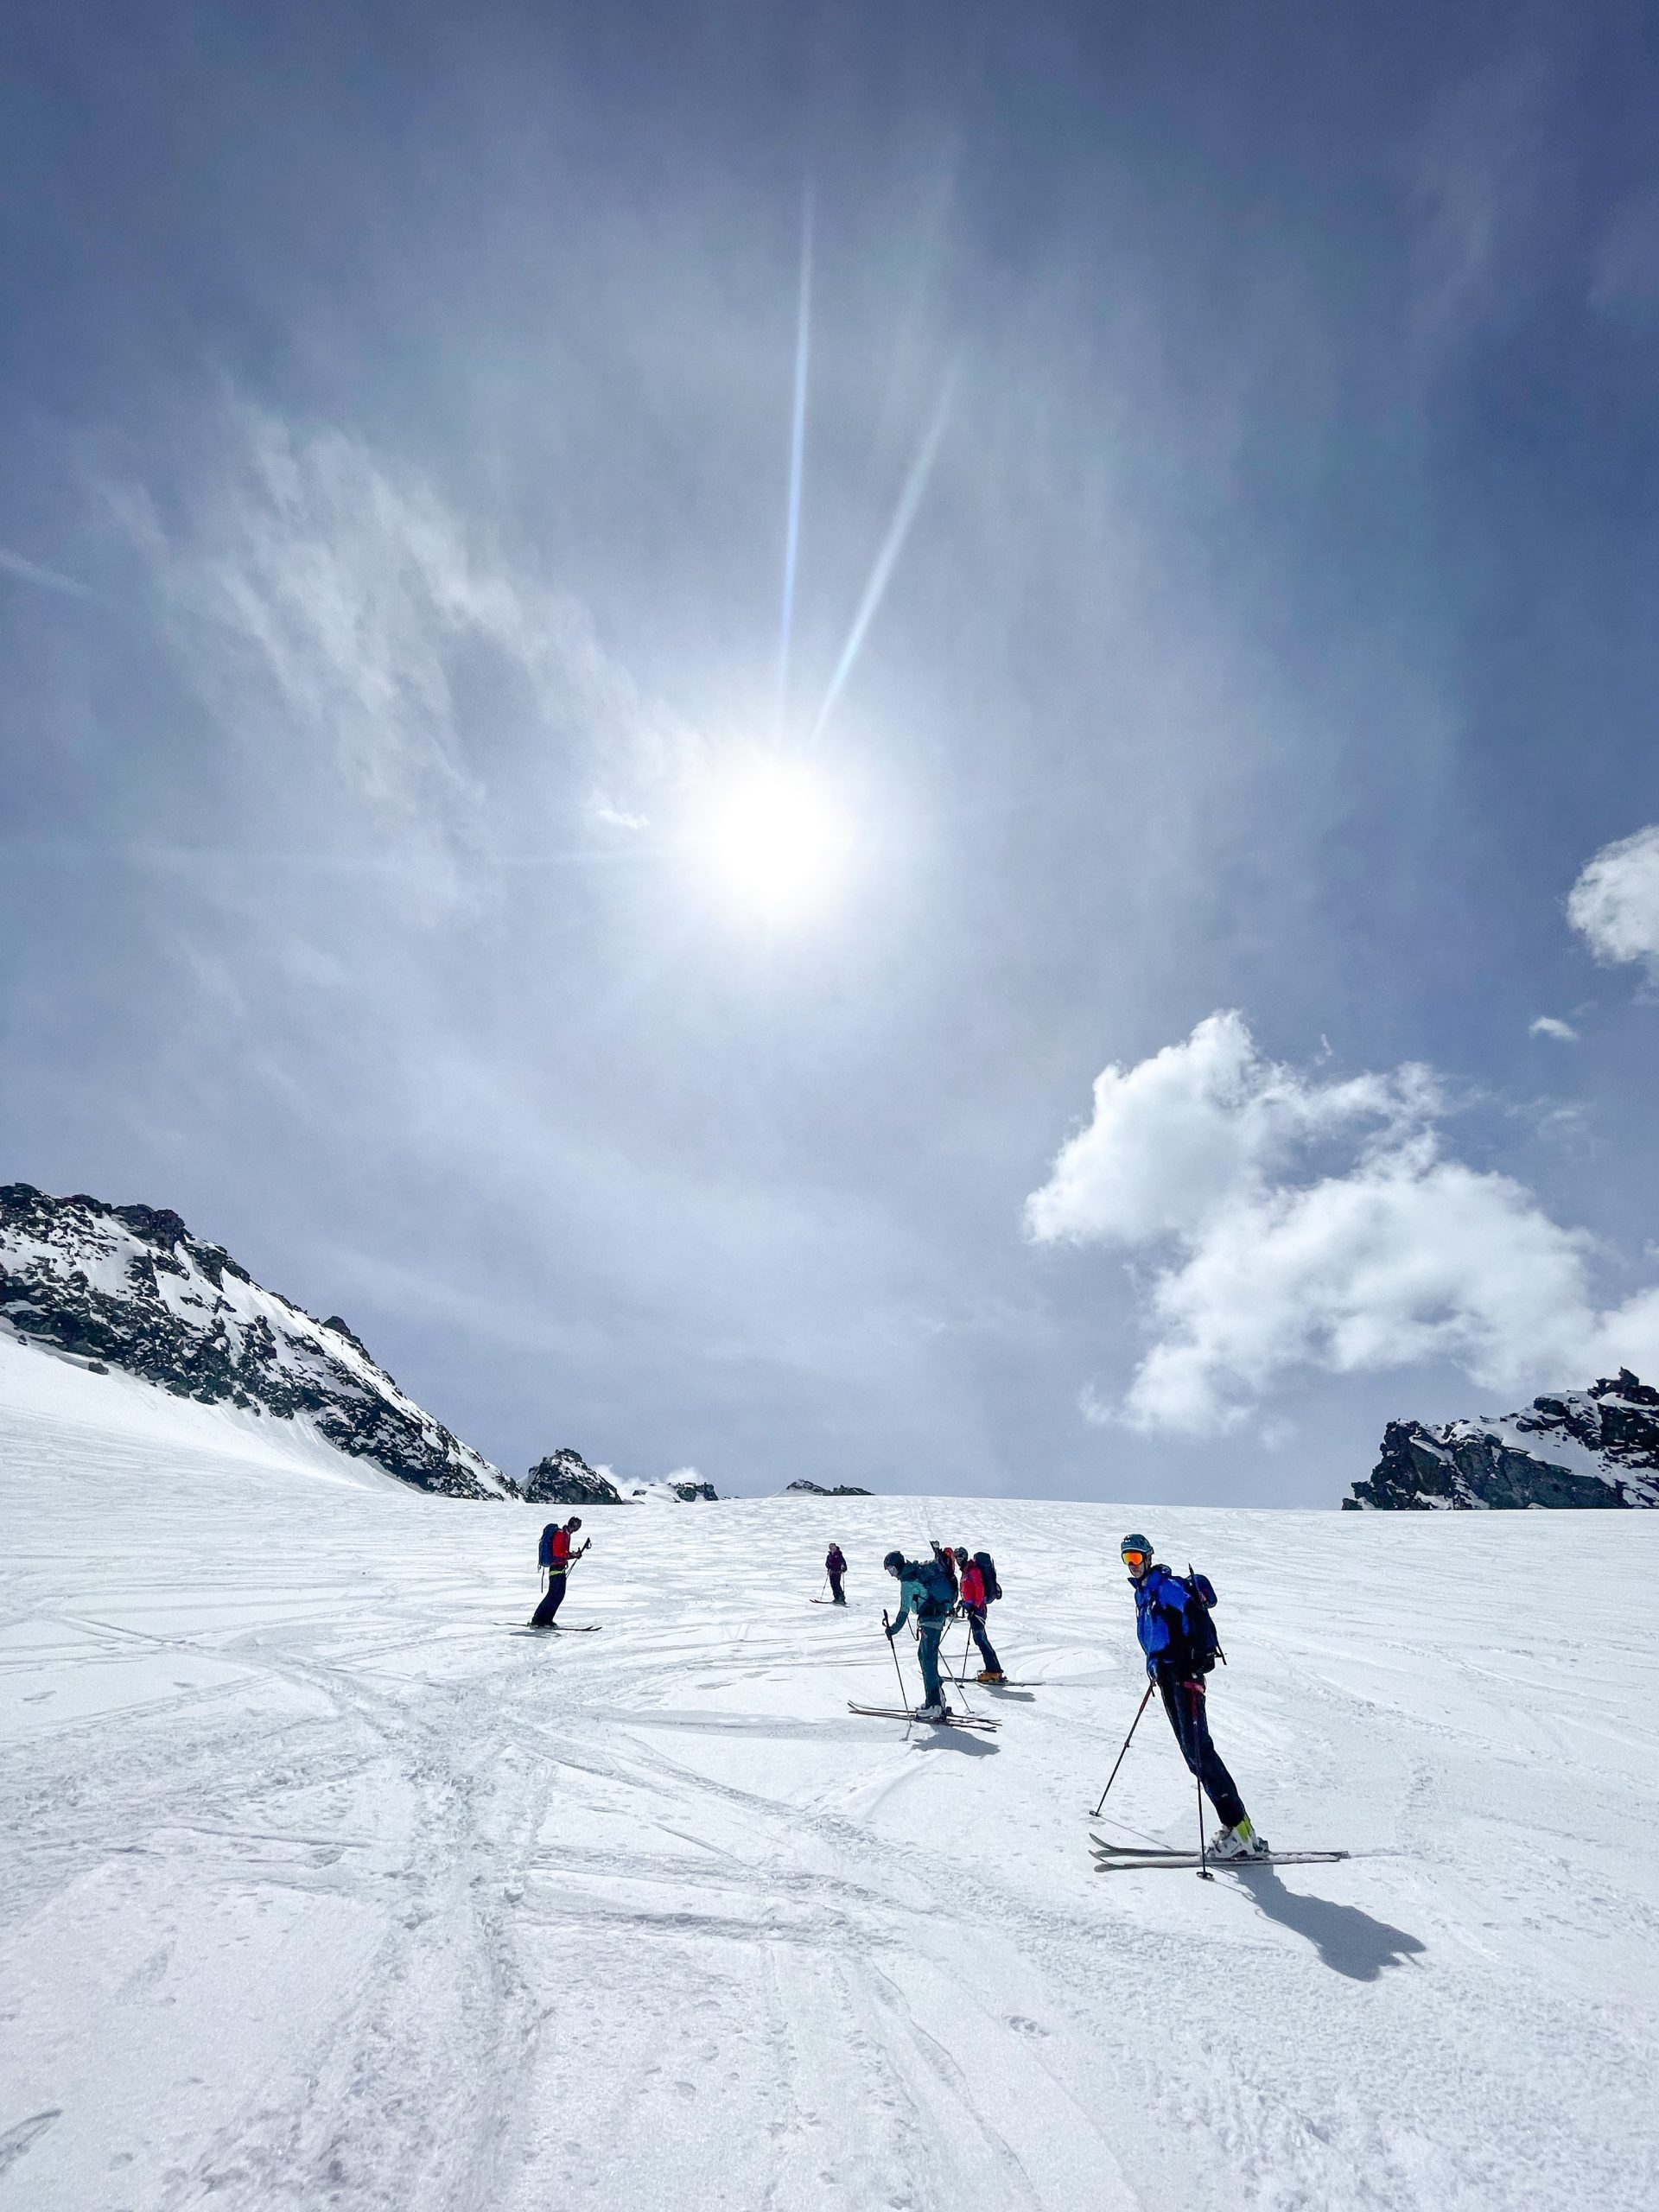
pixel 893 1562
pixel 575 1522
pixel 962 1556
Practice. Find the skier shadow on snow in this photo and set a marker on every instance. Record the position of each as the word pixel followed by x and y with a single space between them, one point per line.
pixel 1346 1939
pixel 947 1739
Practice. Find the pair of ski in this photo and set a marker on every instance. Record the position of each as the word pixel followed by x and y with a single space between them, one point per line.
pixel 561 1627
pixel 1127 1858
pixel 949 1720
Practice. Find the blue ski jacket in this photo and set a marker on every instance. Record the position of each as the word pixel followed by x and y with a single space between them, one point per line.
pixel 1160 1604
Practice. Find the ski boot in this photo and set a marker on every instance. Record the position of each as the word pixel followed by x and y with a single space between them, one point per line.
pixel 1240 1842
pixel 990 1675
pixel 938 1711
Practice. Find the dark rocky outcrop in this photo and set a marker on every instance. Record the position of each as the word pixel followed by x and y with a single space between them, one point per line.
pixel 128 1287
pixel 802 1488
pixel 564 1477
pixel 1597 1449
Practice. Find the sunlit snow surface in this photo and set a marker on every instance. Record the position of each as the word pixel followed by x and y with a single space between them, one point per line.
pixel 324 1888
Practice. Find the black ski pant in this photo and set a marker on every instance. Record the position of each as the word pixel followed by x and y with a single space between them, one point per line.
pixel 976 1629
pixel 542 1616
pixel 928 1633
pixel 1184 1703
pixel 836 1573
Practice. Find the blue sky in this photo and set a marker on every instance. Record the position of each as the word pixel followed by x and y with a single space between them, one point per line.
pixel 395 429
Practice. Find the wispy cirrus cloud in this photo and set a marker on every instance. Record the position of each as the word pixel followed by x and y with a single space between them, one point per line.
pixel 31 572
pixel 344 622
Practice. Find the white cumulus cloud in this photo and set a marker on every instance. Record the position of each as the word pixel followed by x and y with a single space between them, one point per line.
pixel 1615 903
pixel 1548 1026
pixel 1298 1223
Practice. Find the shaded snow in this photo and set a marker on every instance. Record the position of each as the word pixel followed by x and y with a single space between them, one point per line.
pixel 1555 1447
pixel 326 1889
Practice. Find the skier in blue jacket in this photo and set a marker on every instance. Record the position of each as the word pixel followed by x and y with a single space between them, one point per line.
pixel 925 1589
pixel 1164 1623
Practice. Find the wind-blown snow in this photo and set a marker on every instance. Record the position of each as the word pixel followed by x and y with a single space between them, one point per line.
pixel 326 1889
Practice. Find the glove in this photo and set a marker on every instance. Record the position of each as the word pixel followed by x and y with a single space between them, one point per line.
pixel 889 1632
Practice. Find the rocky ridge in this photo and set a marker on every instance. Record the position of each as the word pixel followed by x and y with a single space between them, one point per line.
pixel 688 1492
pixel 128 1287
pixel 802 1488
pixel 564 1477
pixel 1597 1449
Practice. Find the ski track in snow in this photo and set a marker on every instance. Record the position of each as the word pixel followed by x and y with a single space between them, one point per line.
pixel 325 1889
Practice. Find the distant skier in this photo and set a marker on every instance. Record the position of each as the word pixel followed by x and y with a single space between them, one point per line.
pixel 925 1589
pixel 973 1597
pixel 835 1566
pixel 557 1556
pixel 1171 1620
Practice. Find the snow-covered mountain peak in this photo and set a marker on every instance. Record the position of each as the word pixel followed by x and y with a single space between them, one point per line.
pixel 1597 1447
pixel 128 1287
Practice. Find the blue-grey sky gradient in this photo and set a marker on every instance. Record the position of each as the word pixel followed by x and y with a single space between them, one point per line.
pixel 394 435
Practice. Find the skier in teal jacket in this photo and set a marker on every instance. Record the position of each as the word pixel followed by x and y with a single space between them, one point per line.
pixel 924 1589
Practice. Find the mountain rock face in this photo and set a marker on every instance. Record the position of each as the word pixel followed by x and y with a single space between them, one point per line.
pixel 1597 1448
pixel 564 1477
pixel 128 1287
pixel 804 1489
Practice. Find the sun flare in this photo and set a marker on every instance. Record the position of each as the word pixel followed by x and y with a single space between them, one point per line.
pixel 772 834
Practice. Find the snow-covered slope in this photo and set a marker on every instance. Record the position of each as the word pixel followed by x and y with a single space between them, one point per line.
pixel 326 1888
pixel 1595 1448
pixel 129 1287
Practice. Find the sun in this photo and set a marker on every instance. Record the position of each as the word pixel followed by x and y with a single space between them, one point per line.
pixel 771 834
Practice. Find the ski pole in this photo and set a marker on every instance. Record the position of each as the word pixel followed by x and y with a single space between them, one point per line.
pixel 822 1587
pixel 1133 1724
pixel 1204 1875
pixel 967 1661
pixel 897 1668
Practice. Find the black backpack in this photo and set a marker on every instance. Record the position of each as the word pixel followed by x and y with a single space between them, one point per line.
pixel 1202 1640
pixel 986 1567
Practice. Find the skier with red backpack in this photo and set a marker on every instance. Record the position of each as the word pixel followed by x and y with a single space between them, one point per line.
pixel 557 1556
pixel 1171 1618
pixel 976 1585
